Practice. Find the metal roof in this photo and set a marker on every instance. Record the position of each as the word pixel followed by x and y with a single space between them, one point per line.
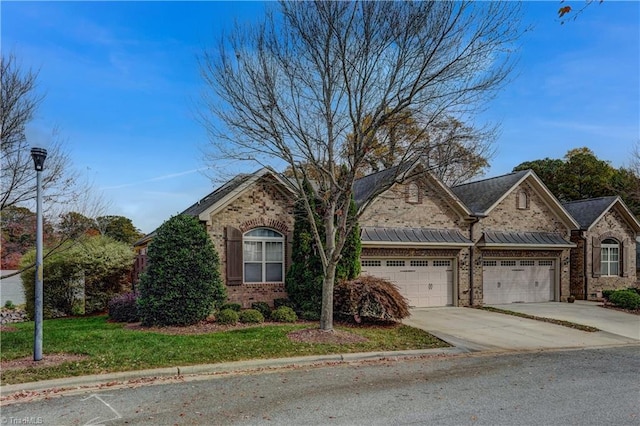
pixel 413 236
pixel 524 239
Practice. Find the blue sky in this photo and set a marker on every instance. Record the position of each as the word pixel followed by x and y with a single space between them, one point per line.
pixel 122 85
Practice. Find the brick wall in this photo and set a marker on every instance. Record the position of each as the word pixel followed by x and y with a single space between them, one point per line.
pixel 611 225
pixel 265 204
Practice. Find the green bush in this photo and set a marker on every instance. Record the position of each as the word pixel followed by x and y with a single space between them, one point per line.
pixel 227 317
pixel 635 289
pixel 607 293
pixel 181 285
pixel 283 302
pixel 284 314
pixel 233 306
pixel 626 299
pixel 370 298
pixel 251 316
pixel 79 277
pixel 9 305
pixel 124 308
pixel 310 316
pixel 263 307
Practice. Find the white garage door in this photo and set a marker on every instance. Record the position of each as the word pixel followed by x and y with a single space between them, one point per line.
pixel 424 282
pixel 519 280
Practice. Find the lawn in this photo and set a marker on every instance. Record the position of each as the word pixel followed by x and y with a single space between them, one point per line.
pixel 110 347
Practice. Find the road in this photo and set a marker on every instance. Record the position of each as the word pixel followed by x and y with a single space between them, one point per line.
pixel 575 387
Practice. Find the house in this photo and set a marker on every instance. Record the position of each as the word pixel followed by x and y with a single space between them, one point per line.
pixel 499 240
pixel 605 254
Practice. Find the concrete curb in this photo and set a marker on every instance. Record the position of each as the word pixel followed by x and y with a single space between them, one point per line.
pixel 71 384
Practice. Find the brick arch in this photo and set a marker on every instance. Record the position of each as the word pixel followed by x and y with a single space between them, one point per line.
pixel 262 222
pixel 608 234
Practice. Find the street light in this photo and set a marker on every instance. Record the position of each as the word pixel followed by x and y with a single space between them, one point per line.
pixel 38 155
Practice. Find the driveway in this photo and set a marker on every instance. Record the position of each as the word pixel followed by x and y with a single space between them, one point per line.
pixel 478 330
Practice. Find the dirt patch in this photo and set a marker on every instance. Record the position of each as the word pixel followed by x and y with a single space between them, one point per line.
pixel 8 329
pixel 615 308
pixel 46 361
pixel 315 335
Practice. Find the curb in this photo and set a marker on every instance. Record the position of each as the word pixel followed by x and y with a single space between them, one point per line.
pixel 71 384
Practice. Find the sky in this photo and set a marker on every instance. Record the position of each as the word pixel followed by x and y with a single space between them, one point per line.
pixel 122 87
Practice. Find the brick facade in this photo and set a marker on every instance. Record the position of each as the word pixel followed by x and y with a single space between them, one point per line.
pixel 537 216
pixel 611 225
pixel 265 204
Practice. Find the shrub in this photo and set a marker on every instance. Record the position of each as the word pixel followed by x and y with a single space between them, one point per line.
pixel 181 285
pixel 227 317
pixel 284 314
pixel 251 316
pixel 310 316
pixel 263 307
pixel 124 308
pixel 80 277
pixel 9 305
pixel 607 293
pixel 626 299
pixel 370 298
pixel 283 302
pixel 233 306
pixel 635 289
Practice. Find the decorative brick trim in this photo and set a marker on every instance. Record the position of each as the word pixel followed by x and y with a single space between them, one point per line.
pixel 262 222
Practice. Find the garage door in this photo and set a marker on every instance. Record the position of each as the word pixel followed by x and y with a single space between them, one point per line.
pixel 424 282
pixel 519 280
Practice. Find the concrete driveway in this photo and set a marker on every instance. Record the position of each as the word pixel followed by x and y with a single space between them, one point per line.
pixel 475 329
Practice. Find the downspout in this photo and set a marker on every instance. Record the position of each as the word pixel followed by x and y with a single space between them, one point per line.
pixel 476 219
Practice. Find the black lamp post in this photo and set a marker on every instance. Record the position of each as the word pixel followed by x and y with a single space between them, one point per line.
pixel 38 155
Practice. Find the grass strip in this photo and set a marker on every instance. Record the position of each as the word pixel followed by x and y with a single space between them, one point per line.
pixel 109 347
pixel 543 319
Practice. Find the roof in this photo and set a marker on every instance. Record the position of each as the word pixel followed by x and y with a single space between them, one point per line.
pixel 365 187
pixel 524 240
pixel 413 236
pixel 588 212
pixel 217 195
pixel 481 195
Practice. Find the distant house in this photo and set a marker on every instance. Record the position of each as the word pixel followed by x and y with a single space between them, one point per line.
pixel 500 240
pixel 606 252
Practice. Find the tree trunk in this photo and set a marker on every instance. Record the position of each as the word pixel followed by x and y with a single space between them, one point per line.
pixel 326 315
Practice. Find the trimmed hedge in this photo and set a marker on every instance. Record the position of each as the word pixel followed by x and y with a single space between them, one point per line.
pixel 626 299
pixel 263 307
pixel 251 316
pixel 233 306
pixel 227 317
pixel 284 314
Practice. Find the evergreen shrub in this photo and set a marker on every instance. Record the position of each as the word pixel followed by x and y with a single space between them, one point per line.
pixel 251 316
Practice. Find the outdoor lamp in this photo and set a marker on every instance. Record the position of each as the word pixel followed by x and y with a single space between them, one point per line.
pixel 38 155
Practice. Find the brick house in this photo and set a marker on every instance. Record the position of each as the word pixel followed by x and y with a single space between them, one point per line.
pixel 499 240
pixel 605 254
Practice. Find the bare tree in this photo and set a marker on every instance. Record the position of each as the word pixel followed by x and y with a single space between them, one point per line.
pixel 64 189
pixel 298 89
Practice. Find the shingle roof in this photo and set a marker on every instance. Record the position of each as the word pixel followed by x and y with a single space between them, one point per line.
pixel 367 186
pixel 541 239
pixel 479 196
pixel 585 212
pixel 413 235
pixel 212 198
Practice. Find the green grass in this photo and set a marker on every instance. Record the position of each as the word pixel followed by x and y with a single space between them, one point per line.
pixel 112 348
pixel 563 323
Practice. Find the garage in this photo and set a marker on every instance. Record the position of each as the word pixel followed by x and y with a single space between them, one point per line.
pixel 518 280
pixel 425 282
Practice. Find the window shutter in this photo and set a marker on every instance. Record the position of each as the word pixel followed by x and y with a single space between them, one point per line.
pixel 596 267
pixel 624 259
pixel 234 256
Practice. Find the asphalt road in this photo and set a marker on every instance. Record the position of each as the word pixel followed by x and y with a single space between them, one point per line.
pixel 576 387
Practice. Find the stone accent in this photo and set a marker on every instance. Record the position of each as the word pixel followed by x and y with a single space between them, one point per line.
pixel 8 316
pixel 265 204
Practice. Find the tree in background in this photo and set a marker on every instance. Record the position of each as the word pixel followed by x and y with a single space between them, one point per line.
pixel 581 175
pixel 119 228
pixel 294 88
pixel 182 283
pixel 81 277
pixel 18 226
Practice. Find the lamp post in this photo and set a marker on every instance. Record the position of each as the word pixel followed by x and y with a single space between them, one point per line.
pixel 38 155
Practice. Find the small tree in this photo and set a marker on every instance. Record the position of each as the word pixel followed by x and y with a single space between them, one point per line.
pixel 182 284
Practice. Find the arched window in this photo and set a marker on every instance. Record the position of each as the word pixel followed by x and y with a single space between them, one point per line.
pixel 263 256
pixel 413 193
pixel 523 200
pixel 610 257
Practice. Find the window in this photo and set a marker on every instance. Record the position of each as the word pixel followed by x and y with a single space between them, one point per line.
pixel 395 262
pixel 441 263
pixel 609 257
pixel 419 263
pixel 413 193
pixel 523 200
pixel 263 256
pixel 366 263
